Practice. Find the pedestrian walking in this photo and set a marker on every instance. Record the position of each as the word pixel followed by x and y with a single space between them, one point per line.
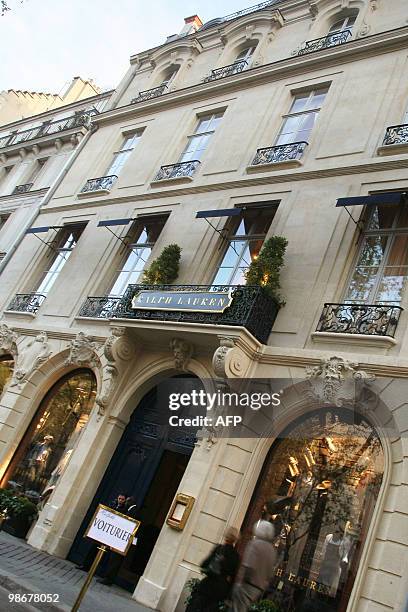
pixel 258 567
pixel 220 569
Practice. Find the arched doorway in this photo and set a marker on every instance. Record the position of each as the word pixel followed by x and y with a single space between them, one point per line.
pixel 148 464
pixel 49 440
pixel 326 471
pixel 6 370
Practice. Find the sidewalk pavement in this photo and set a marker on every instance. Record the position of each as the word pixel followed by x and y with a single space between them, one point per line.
pixel 25 570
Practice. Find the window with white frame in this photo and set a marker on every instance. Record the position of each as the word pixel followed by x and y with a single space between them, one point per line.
pixel 245 55
pixel 198 142
pixel 121 156
pixel 142 238
pixel 169 77
pixel 381 270
pixel 65 243
pixel 345 23
pixel 299 122
pixel 3 219
pixel 38 170
pixel 245 238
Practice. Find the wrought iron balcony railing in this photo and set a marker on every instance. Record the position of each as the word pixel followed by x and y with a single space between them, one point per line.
pixel 102 183
pixel 331 40
pixel 279 153
pixel 396 134
pixel 174 171
pixel 22 188
pixel 251 307
pixel 365 319
pixel 148 94
pixel 26 302
pixel 220 73
pixel 53 127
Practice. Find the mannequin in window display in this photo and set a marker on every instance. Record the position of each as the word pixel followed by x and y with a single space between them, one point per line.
pixel 38 458
pixel 334 560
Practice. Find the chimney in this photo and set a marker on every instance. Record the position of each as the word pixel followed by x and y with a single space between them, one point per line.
pixel 191 24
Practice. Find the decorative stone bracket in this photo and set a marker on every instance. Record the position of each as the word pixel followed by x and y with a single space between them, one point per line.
pixel 8 340
pixel 31 355
pixel 117 350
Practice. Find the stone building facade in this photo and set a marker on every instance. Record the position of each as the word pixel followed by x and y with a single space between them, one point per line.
pixel 289 119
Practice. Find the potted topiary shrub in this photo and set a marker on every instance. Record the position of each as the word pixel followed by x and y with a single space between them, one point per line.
pixel 164 269
pixel 19 512
pixel 265 605
pixel 265 269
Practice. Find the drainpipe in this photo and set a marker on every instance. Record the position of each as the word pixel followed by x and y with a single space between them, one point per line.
pixel 60 177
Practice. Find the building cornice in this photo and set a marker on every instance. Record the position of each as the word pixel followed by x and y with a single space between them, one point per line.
pixel 17 198
pixel 270 177
pixel 384 42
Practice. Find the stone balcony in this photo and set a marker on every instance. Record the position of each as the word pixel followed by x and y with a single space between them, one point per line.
pixel 225 71
pixel 174 172
pixel 51 129
pixel 361 319
pixel 26 302
pixel 20 189
pixel 331 40
pixel 287 154
pixel 227 305
pixel 101 184
pixel 149 94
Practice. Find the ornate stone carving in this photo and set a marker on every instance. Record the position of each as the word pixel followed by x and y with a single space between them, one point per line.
pixel 333 381
pixel 30 358
pixel 110 374
pixel 226 344
pixel 82 351
pixel 182 352
pixel 373 5
pixel 313 8
pixel 117 348
pixel 8 339
pixel 249 32
pixel 365 29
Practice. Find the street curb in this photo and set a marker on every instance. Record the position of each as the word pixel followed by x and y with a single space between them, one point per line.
pixel 11 583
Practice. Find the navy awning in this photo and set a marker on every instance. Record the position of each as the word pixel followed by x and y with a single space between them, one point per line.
pixel 391 197
pixel 220 212
pixel 110 222
pixel 41 230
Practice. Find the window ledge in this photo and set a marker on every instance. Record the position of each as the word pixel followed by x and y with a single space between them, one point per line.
pixel 355 339
pixel 172 181
pixel 292 163
pixel 87 194
pixel 393 149
pixel 21 313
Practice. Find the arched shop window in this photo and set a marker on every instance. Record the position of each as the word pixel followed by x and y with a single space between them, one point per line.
pixel 329 467
pixel 6 370
pixel 49 441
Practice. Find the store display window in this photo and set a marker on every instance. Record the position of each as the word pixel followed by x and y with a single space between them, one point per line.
pixel 49 441
pixel 324 473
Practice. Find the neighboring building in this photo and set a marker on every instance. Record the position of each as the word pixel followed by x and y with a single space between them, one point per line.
pixel 35 151
pixel 288 118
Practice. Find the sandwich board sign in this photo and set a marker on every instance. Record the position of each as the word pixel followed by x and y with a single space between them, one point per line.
pixel 113 529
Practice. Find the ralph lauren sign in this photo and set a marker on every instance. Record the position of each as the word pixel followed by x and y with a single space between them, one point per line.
pixel 193 301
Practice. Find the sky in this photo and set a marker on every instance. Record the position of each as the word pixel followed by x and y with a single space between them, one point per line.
pixel 44 43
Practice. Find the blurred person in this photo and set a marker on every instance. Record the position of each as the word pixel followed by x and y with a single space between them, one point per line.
pixel 258 567
pixel 220 569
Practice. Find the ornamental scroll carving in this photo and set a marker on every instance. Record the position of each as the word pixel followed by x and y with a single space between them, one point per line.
pixel 8 340
pixel 31 356
pixel 334 381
